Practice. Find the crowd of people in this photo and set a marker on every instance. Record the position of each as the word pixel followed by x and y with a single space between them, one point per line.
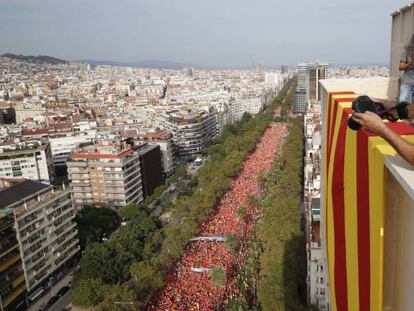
pixel 189 286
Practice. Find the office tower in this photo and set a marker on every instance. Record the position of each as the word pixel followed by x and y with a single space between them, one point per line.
pixel 309 74
pixel 31 160
pixel 188 71
pixel 151 168
pixel 284 69
pixel 46 232
pixel 13 283
pixel 106 175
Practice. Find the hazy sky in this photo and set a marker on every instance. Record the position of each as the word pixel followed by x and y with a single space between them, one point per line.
pixel 201 32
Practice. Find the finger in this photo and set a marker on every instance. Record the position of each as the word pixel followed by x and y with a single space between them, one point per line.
pixel 358 115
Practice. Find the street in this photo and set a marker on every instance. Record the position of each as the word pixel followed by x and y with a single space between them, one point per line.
pixel 61 303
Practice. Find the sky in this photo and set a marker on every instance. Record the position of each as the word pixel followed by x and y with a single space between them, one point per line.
pixel 210 33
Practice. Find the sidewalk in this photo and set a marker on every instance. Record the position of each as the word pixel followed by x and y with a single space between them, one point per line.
pixel 45 298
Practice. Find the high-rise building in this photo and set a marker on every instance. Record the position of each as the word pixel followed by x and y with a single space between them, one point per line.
pixel 106 175
pixel 309 74
pixel 46 232
pixel 284 69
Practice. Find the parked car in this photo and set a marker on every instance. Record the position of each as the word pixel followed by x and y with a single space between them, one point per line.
pixel 62 291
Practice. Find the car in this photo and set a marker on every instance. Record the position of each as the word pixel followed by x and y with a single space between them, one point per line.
pixel 62 291
pixel 52 301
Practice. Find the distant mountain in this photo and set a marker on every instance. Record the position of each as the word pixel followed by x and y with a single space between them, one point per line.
pixel 157 64
pixel 40 59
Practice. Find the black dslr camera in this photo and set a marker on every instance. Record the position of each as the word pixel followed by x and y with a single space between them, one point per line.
pixel 363 104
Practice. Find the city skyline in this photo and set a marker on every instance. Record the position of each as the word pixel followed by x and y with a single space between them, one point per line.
pixel 212 34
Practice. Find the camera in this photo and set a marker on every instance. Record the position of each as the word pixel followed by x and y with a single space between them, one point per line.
pixel 361 105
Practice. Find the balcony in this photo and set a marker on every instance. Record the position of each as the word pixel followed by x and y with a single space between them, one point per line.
pixel 367 205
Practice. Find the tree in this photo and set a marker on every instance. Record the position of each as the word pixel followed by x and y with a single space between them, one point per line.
pixel 119 298
pixel 93 223
pixel 133 211
pixel 87 292
pixel 146 279
pixel 232 242
pixel 237 304
pixel 98 262
pixel 218 278
pixel 261 178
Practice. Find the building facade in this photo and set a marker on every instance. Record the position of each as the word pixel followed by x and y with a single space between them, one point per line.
pixel 192 131
pixel 106 175
pixel 46 231
pixel 27 160
pixel 309 74
pixel 13 283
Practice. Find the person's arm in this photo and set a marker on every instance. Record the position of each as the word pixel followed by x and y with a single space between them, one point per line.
pixel 374 123
pixel 388 104
pixel 403 147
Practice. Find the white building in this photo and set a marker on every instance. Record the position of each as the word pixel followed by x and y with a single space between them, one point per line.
pixel 192 130
pixel 29 111
pixel 30 160
pixel 64 146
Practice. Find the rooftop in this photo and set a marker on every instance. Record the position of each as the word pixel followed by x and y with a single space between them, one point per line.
pixel 105 150
pixel 20 191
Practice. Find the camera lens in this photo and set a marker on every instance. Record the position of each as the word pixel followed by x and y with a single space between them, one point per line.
pixel 353 125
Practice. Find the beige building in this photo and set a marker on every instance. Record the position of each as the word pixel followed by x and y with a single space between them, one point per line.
pixel 105 175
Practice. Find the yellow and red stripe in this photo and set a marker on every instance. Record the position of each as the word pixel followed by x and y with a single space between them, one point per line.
pixel 353 211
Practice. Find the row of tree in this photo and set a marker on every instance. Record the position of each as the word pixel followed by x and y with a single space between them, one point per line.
pixel 281 283
pixel 131 266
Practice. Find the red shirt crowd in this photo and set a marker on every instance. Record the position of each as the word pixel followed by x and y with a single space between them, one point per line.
pixel 185 289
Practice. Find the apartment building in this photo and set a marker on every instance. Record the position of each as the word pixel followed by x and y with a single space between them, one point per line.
pixel 29 111
pixel 46 232
pixel 163 139
pixel 192 130
pixel 30 160
pixel 13 283
pixel 316 276
pixel 106 175
pixel 63 146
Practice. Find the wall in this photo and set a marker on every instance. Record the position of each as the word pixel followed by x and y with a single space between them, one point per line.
pixel 398 239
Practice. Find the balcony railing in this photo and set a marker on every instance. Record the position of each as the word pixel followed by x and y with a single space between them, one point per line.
pixel 367 228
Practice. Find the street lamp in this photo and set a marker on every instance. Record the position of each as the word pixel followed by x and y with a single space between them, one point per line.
pixel 51 286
